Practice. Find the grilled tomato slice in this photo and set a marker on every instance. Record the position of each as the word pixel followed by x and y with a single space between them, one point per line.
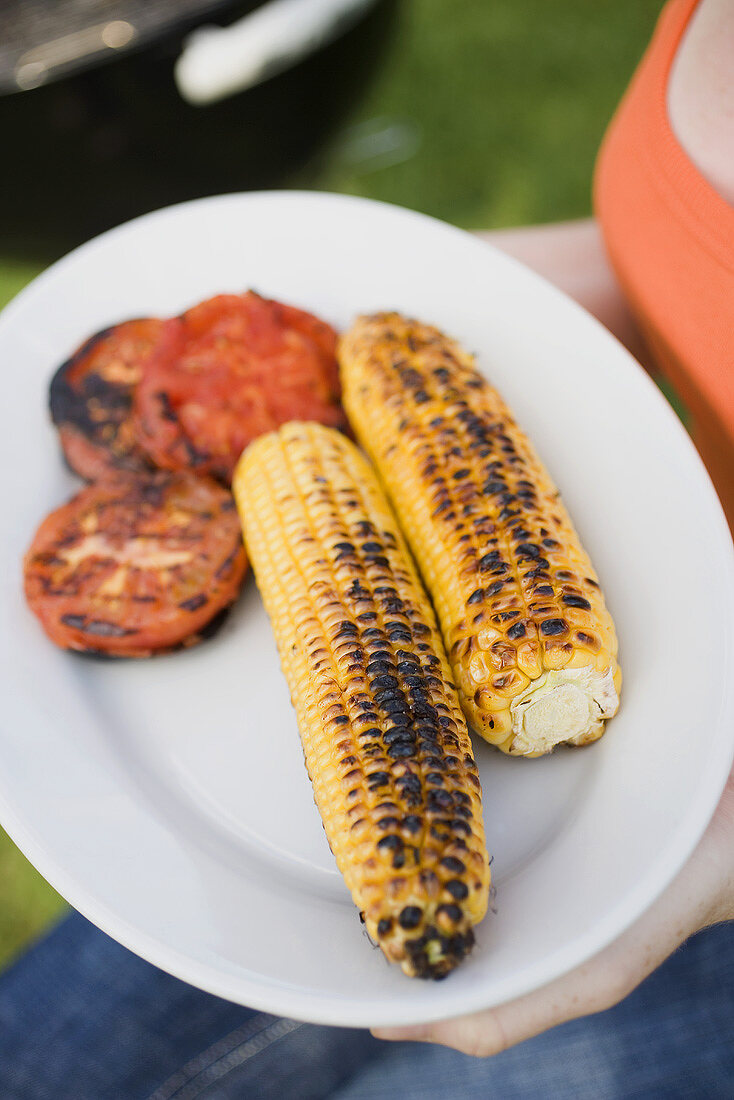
pixel 91 399
pixel 228 370
pixel 136 565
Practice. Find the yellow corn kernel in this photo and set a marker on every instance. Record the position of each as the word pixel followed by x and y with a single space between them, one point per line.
pixel 532 645
pixel 384 738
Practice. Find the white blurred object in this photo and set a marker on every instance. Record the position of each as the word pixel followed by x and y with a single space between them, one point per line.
pixel 218 61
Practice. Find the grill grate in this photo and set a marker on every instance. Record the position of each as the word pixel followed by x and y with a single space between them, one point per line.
pixel 41 40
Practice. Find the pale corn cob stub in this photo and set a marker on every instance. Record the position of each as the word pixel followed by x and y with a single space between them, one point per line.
pixel 384 739
pixel 531 643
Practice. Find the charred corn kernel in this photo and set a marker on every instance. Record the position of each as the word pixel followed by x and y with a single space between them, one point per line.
pixel 531 643
pixel 384 738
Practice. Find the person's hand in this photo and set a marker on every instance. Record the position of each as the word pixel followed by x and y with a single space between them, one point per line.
pixel 701 895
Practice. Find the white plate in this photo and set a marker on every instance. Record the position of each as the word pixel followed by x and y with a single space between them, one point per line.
pixel 167 799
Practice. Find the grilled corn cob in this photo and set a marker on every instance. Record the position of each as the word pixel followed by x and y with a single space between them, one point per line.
pixel 531 643
pixel 385 742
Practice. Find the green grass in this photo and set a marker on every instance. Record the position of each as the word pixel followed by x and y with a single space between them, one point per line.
pixel 13 277
pixel 27 902
pixel 506 101
pixel 486 113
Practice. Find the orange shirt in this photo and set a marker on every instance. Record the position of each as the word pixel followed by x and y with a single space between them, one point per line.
pixel 670 239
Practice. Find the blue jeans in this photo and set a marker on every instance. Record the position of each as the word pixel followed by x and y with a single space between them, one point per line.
pixel 81 1018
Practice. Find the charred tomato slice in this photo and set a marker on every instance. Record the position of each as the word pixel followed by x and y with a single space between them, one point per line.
pixel 136 565
pixel 91 397
pixel 226 371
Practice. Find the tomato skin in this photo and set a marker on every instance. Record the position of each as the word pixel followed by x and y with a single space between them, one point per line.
pixel 91 399
pixel 227 370
pixel 135 565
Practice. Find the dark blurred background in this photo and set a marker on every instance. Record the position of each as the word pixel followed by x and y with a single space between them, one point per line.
pixel 486 113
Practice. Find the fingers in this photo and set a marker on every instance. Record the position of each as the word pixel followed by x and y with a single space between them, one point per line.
pixel 593 987
pixel 590 988
pixel 598 985
pixel 478 1035
pixel 700 895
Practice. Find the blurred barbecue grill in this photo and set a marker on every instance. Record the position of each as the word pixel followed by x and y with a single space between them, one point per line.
pixel 98 129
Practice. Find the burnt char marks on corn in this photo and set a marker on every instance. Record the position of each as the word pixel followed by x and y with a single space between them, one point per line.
pixel 372 688
pixel 494 543
pixel 400 686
